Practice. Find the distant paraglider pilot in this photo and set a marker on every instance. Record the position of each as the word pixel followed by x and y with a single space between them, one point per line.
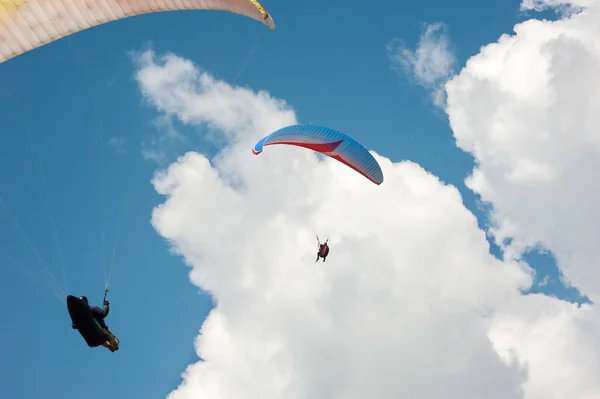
pixel 323 249
pixel 89 321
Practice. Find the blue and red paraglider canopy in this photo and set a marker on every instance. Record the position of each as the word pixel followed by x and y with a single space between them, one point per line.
pixel 328 142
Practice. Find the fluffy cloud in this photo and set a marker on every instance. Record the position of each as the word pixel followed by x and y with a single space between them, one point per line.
pixel 564 7
pixel 184 93
pixel 398 304
pixel 410 302
pixel 527 109
pixel 177 88
pixel 431 64
pixel 556 341
pixel 396 307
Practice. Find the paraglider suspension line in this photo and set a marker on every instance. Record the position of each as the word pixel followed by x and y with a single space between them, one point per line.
pixel 112 264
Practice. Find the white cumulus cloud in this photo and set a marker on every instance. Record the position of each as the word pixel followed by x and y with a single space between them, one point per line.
pixel 557 342
pixel 410 303
pixel 563 7
pixel 526 107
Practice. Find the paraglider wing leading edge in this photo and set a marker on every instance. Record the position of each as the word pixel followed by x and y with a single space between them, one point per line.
pixel 328 142
pixel 28 24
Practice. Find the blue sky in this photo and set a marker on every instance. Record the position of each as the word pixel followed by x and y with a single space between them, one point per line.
pixel 66 100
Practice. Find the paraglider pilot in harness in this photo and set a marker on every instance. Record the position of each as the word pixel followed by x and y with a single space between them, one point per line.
pixel 323 249
pixel 98 314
